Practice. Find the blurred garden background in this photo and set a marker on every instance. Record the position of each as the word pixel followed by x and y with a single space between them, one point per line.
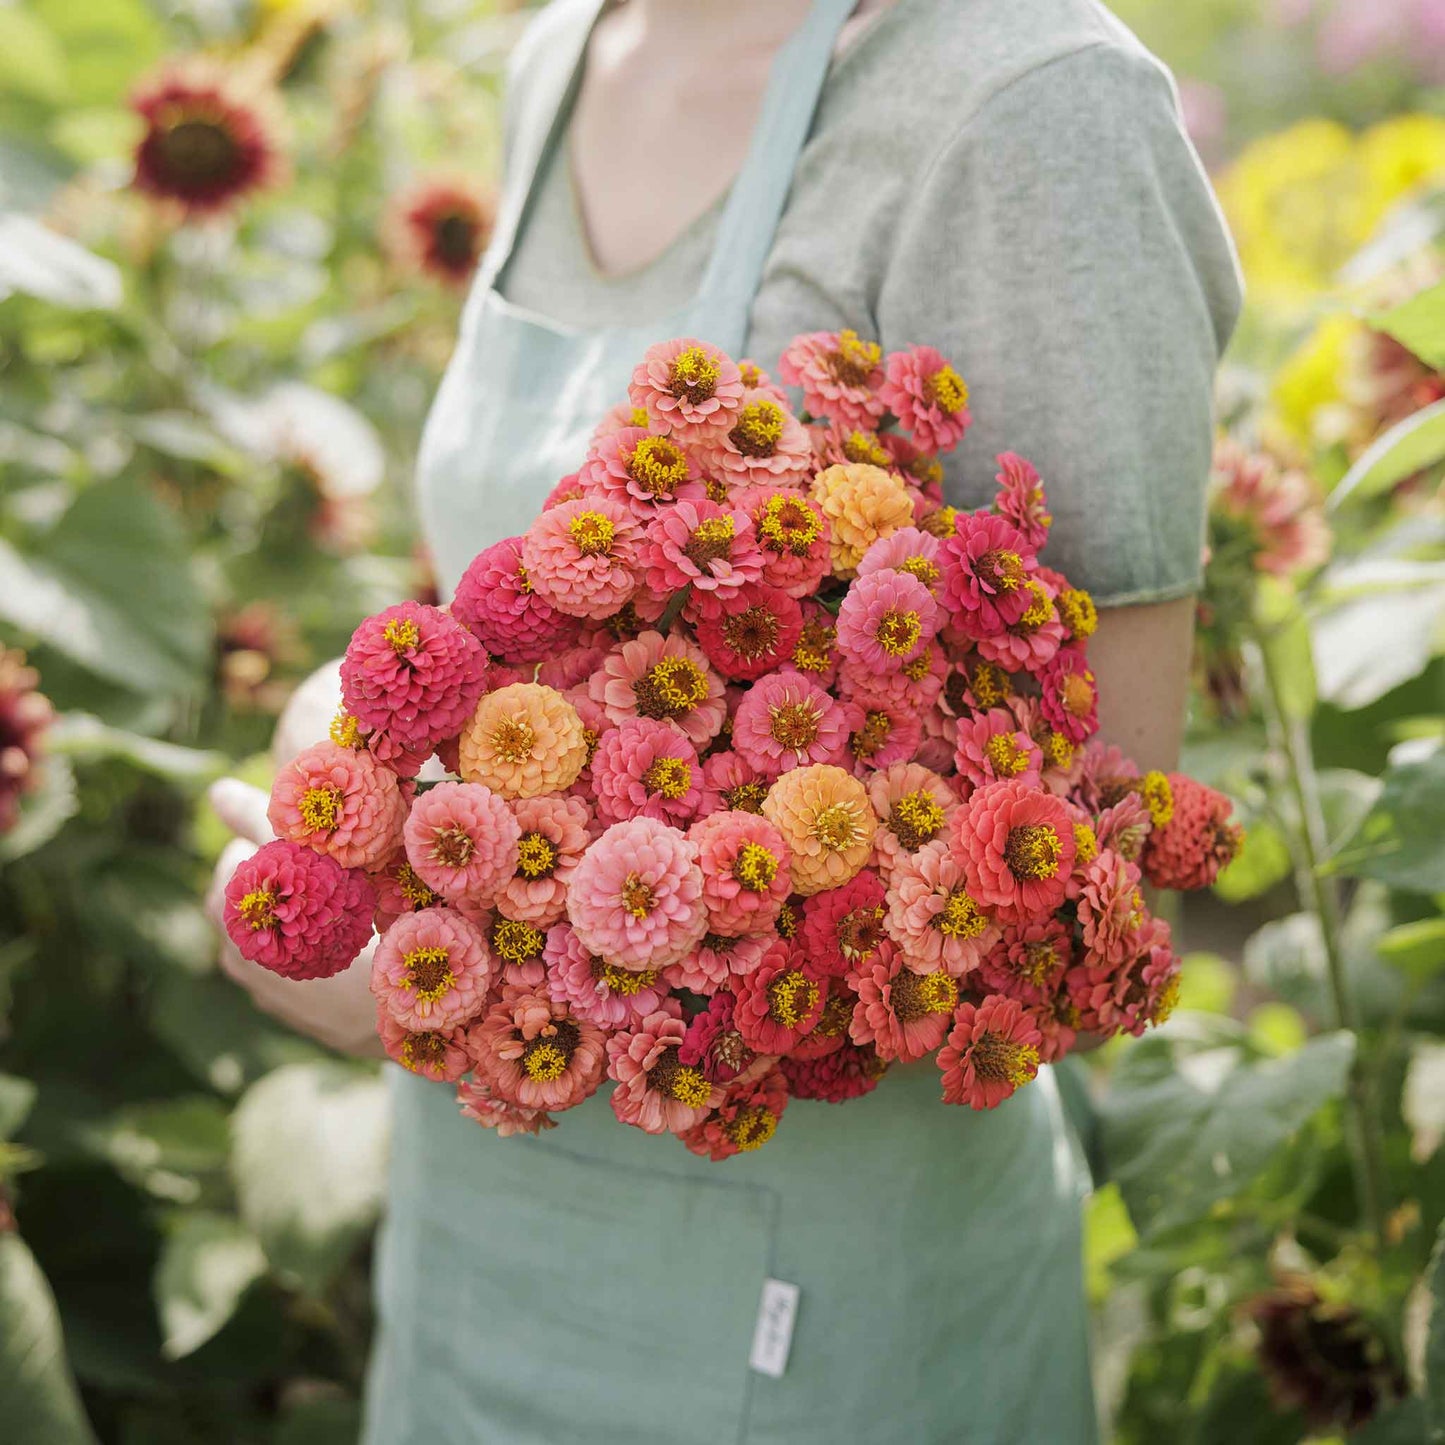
pixel 233 237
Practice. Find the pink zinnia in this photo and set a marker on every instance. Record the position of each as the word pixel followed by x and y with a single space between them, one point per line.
pixel 1198 840
pixel 437 1054
pixel 928 397
pixel 907 550
pixel 432 969
pixel 751 631
pixel 914 805
pixel 794 538
pixel 731 783
pixel 569 489
pixel 602 993
pixel 903 1014
pixel 816 655
pixel 992 747
pixel 717 960
pixel 1070 695
pixel 298 912
pixel 1030 643
pixel 843 927
pixel 881 735
pixel 932 917
pixel 840 375
pixel 785 721
pixel 992 1050
pixel 618 418
pixel 913 688
pixel 1029 962
pixel 846 1073
pixel 765 443
pixel 399 890
pixel 1017 847
pixel 568 669
pixel 714 1045
pixel 496 600
pixel 985 563
pixel 553 833
pixel 665 678
pixel 645 473
pixel 411 677
pixel 1111 910
pixel 532 1051
pixel 886 619
pixel 745 1120
pixel 745 871
pixel 339 801
pixel 655 1091
pixel 703 546
pixel 781 1000
pixel 461 840
pixel 1021 498
pixel 584 557
pixel 636 896
pixel 1125 998
pixel 480 1104
pixel 687 387
pixel 646 769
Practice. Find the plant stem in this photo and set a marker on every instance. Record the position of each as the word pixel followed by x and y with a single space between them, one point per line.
pixel 1317 892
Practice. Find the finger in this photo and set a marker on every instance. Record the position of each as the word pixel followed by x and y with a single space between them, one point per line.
pixel 241 808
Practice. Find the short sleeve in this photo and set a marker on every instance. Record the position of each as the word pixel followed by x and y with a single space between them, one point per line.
pixel 1064 249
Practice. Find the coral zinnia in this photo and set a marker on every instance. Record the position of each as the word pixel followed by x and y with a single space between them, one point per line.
pixel 842 927
pixel 1029 961
pixel 781 1000
pixel 825 818
pixel 714 1044
pixel 931 916
pixel 1196 842
pixel 644 768
pixel 1069 695
pixel 498 603
pixel 533 1051
pixel 479 1103
pixel 432 969
pixel 667 678
pixel 601 992
pixel 992 746
pixel 584 557
pixel 840 375
pixel 992 1050
pixel 846 1073
pixel 461 840
pixel 437 1054
pixel 655 1090
pixel 765 443
pixel 745 1120
pixel 794 537
pixel 298 912
pixel 339 801
pixel 903 1014
pixel 553 834
pixel 749 632
pixel 524 740
pixel 205 143
pixel 687 387
pixel 887 618
pixel 440 226
pixel 745 871
pixel 702 545
pixel 1017 847
pixel 928 397
pixel 645 472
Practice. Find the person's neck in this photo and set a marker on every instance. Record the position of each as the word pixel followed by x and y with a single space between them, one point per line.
pixel 710 27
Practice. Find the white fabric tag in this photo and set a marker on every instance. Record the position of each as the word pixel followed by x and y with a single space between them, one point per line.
pixel 773 1333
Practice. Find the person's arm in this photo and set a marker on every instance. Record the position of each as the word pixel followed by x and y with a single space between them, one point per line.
pixel 1140 658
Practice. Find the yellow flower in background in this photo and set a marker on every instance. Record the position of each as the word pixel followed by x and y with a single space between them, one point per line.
pixel 1400 156
pixel 1307 386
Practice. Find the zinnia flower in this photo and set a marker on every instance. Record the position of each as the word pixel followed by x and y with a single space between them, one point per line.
pixel 927 396
pixel 985 563
pixel 745 871
pixel 765 443
pixel 1028 644
pixel 843 927
pixel 745 1120
pixel 1021 499
pixel 835 445
pixel 992 746
pixel 824 816
pixel 461 840
pixel 665 678
pixel 646 769
pixel 881 735
pixel 437 1054
pixel 1069 695
pixel 1126 997
pixel 886 619
pixel 907 550
pixel 644 472
pixel 716 960
pixel 1197 841
pixel 432 969
pixel 748 632
pixel 205 144
pixel 479 1103
pixel 411 676
pixel 439 226
pixel 531 1050
pixel 687 387
pixel 911 690
pixel 399 889
pixel 656 1091
pixel 703 546
pixel 794 537
pixel 903 1014
pixel 1111 910
pixel 846 1073
pixel 584 557
pixel 1280 511
pixel 338 801
pixel 553 833
pixel 931 915
pixel 784 721
pixel 601 992
pixel 298 912
pixel 992 1050
pixel 861 504
pixel 1029 961
pixel 816 655
pixel 714 1045
pixel 840 375
pixel 497 602
pixel 523 740
pixel 25 716
pixel 1017 847
pixel 636 896
pixel 780 1001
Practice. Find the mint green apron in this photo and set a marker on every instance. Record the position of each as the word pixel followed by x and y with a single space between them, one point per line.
pixel 601 1285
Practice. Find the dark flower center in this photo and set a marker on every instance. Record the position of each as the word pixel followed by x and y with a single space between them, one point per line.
pixel 198 152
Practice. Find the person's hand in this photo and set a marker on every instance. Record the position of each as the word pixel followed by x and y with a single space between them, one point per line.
pixel 339 1011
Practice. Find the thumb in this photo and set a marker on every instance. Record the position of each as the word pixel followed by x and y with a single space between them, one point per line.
pixel 241 808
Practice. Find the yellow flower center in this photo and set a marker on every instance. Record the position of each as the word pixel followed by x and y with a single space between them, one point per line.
pixel 694 375
pixel 1057 749
pixel 412 888
pixel 758 429
pixel 1076 608
pixel 1077 695
pixel 927 572
pixel 544 1061
pixel 788 524
pixel 1005 756
pixel 1039 962
pixel 898 632
pixel 515 941
pixel 639 416
pixel 746 797
pixel 788 922
pixel 916 819
pixel 814 652
pixel 1086 844
pixel 658 466
pixel 1038 611
pixel 401 633
pixel 792 996
pixel 836 827
pixel 960 917
pixel 919 667
pixel 513 740
pixel 671 687
pixel 1158 797
pixel 997 1057
pixel 452 847
pixel 794 724
pixel 914 996
pixel 320 809
pixel 864 446
pixel 623 981
pixel 428 973
pixel 1000 569
pixel 258 908
pixel 751 1127
pixel 346 731
pixel 711 541
pixel 755 867
pixel 945 388
pixel 637 896
pixel 1032 852
pixel 989 684
pixel 592 533
pixel 941 522
pixel 536 855
pixel 1167 1002
pixel 422 1050
pixel 855 360
pixel 683 1082
pixel 873 736
pixel 671 777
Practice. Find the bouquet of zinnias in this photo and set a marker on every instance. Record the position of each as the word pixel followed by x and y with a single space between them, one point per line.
pixel 767 770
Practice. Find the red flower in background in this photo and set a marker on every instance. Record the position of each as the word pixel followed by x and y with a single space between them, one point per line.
pixel 206 142
pixel 24 716
pixel 440 226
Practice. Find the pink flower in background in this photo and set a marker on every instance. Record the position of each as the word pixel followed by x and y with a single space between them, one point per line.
pixel 643 471
pixel 1111 910
pixel 1282 509
pixel 907 550
pixel 840 374
pixel 432 969
pixel 1198 840
pixel 985 562
pixel 1029 961
pixel 497 602
pixel 665 678
pixel 482 1106
pixel 339 801
pixel 992 1050
pixel 1021 499
pixel 461 840
pixel 687 387
pixel 1069 695
pixel 992 746
pixel 927 396
pixel 646 769
pixel 704 546
pixel 785 721
pixel 531 1051
pixel 730 782
pixel 717 960
pixel 886 619
pixel 882 734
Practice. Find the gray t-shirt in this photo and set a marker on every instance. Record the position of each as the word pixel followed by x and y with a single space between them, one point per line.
pixel 1009 181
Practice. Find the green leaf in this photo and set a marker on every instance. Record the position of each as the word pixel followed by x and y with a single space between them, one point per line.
pixel 1418 325
pixel 44 813
pixel 32 62
pixel 1401 841
pixel 16 1097
pixel 1415 948
pixel 207 1263
pixel 1409 446
pixel 1189 1123
pixel 85 738
pixel 41 1404
pixel 169 1149
pixel 108 44
pixel 1403 1423
pixel 37 261
pixel 1259 865
pixel 308 1156
pixel 110 586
